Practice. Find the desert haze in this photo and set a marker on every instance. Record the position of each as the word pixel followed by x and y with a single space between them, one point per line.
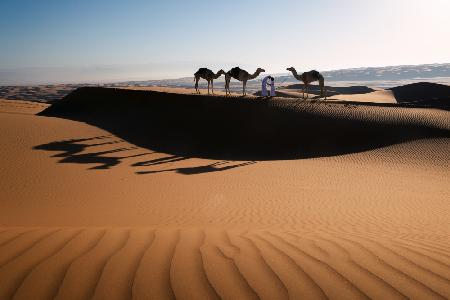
pixel 158 193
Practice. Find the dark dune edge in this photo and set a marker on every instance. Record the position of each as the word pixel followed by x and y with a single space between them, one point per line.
pixel 419 94
pixel 242 128
pixel 431 94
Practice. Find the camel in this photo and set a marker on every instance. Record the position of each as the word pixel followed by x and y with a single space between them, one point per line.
pixel 241 75
pixel 307 78
pixel 208 75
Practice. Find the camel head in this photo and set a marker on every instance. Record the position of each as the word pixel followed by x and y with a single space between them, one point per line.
pixel 292 69
pixel 260 70
pixel 221 72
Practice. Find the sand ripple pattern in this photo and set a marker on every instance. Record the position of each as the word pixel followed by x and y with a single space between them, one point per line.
pixel 195 263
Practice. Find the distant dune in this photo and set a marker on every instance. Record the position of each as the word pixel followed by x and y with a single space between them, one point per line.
pixel 331 91
pixel 431 94
pixel 139 194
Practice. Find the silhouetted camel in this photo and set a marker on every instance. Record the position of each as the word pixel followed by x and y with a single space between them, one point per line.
pixel 208 75
pixel 307 78
pixel 241 75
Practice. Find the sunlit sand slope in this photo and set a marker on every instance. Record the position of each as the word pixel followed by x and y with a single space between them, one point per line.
pixel 92 208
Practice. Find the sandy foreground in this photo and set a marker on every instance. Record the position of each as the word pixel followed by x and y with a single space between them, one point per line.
pixel 86 214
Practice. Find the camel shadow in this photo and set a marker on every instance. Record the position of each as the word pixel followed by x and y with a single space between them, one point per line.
pixel 71 151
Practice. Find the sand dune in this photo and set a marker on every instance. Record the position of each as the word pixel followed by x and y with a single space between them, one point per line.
pixel 40 93
pixel 382 96
pixel 21 107
pixel 420 94
pixel 239 129
pixel 100 200
pixel 431 94
pixel 150 263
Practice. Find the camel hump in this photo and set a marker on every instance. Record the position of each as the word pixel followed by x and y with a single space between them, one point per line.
pixel 235 72
pixel 203 71
pixel 316 74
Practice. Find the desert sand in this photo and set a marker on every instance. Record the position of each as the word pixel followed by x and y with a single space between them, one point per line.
pixel 119 194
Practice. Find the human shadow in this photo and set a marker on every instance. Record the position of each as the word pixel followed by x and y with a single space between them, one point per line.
pixel 241 129
pixel 214 167
pixel 159 161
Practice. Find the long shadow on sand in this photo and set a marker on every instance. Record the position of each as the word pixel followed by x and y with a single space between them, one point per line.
pixel 235 129
pixel 71 151
pixel 214 167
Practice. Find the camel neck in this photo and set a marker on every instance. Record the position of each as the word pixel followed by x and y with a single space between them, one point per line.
pixel 254 75
pixel 294 72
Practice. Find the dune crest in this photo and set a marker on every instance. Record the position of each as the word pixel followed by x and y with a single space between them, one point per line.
pixel 243 129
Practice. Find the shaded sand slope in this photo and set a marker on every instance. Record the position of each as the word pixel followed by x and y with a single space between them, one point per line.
pixel 331 90
pixel 102 213
pixel 432 94
pixel 420 94
pixel 382 96
pixel 236 128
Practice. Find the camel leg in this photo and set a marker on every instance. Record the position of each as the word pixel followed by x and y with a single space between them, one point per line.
pixel 322 85
pixel 244 83
pixel 227 82
pixel 196 85
pixel 212 86
pixel 208 87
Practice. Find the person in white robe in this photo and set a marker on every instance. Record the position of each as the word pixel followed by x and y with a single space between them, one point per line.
pixel 265 83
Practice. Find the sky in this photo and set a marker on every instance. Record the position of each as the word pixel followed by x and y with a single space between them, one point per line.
pixel 97 40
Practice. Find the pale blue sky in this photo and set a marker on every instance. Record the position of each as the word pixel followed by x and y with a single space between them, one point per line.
pixel 171 38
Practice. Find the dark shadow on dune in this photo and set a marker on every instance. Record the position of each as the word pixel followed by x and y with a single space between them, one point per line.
pixel 214 167
pixel 159 161
pixel 70 152
pixel 221 128
pixel 425 94
pixel 332 91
